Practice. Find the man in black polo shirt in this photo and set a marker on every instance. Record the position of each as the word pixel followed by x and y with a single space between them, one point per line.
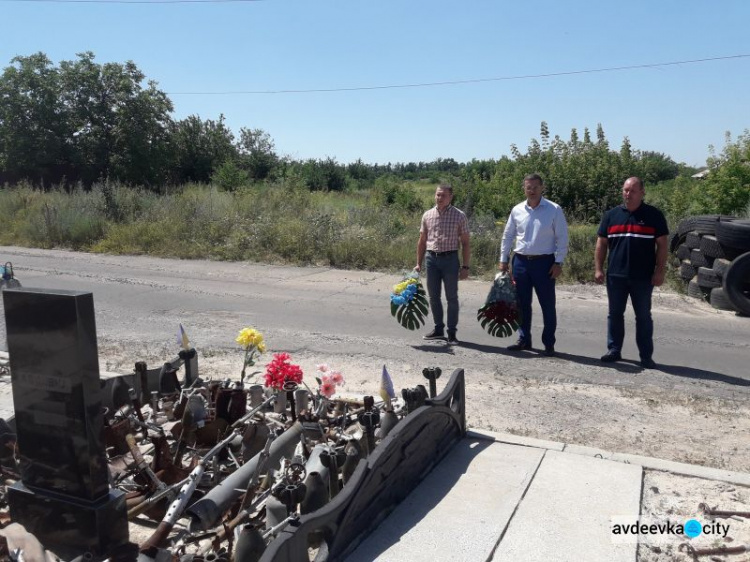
pixel 635 234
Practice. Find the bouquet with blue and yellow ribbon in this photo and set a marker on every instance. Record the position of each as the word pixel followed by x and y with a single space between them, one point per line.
pixel 409 302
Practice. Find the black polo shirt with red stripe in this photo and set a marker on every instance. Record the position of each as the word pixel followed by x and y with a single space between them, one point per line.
pixel 631 239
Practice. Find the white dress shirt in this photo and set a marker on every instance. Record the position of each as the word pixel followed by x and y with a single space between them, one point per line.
pixel 542 230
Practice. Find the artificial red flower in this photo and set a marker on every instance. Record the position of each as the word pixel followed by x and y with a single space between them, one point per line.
pixel 281 371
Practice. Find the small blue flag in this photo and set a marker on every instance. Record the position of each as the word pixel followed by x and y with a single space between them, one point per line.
pixel 386 387
pixel 182 339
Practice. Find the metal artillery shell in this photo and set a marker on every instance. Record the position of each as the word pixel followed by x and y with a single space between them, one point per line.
pixel 250 544
pixel 316 495
pixel 387 423
pixel 207 511
pixel 276 512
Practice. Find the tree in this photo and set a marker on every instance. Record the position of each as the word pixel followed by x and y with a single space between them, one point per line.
pixel 119 128
pixel 200 147
pixel 654 167
pixel 726 188
pixel 33 128
pixel 81 121
pixel 257 154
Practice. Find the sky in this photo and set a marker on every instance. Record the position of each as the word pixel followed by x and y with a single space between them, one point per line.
pixel 257 62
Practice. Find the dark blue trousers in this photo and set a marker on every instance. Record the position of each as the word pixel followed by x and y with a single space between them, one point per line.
pixel 639 291
pixel 529 276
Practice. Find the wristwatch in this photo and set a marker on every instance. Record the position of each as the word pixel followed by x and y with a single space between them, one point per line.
pixel 465 267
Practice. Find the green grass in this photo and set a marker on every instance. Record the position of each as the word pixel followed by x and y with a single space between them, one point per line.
pixel 374 229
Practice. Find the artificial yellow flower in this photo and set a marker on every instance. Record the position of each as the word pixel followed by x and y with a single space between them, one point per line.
pixel 250 337
pixel 261 347
pixel 397 289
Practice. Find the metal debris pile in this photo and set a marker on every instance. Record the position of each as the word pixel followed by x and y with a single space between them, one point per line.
pixel 224 467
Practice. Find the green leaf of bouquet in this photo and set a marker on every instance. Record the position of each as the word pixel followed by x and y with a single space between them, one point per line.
pixel 418 313
pixel 410 320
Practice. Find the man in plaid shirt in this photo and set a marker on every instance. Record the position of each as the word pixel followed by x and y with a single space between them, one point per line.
pixel 443 229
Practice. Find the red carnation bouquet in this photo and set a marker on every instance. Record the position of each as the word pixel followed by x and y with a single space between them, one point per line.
pixel 500 316
pixel 281 373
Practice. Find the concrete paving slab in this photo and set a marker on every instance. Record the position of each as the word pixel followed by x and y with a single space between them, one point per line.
pixel 565 515
pixel 460 510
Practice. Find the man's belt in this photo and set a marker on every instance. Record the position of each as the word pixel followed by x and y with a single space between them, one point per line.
pixel 535 257
pixel 448 253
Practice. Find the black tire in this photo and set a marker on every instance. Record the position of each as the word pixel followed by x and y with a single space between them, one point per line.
pixel 710 246
pixel 675 240
pixel 719 300
pixel 682 252
pixel 687 271
pixel 693 240
pixel 734 234
pixel 703 224
pixel 736 283
pixel 695 290
pixel 707 278
pixel 699 260
pixel 720 267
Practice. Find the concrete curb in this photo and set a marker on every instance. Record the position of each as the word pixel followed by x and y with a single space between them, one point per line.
pixel 515 439
pixel 650 463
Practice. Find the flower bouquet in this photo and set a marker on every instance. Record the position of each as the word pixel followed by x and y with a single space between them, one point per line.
pixel 409 302
pixel 282 374
pixel 328 381
pixel 500 316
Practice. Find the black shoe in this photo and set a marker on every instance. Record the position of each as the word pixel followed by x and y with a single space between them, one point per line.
pixel 648 363
pixel 520 345
pixel 549 351
pixel 452 339
pixel 611 357
pixel 434 335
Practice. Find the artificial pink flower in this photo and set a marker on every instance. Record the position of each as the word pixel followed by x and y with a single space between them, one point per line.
pixel 337 378
pixel 323 368
pixel 327 388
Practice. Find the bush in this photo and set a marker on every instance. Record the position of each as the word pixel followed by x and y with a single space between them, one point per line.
pixel 229 176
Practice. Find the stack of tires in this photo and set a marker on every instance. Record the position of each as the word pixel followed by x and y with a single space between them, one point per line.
pixel 714 260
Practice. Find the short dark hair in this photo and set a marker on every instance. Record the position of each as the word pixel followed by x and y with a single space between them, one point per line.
pixel 445 187
pixel 533 177
pixel 637 180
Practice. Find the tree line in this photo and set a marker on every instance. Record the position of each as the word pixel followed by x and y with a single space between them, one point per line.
pixel 81 122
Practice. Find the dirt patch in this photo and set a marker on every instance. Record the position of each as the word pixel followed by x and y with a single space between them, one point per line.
pixel 677 499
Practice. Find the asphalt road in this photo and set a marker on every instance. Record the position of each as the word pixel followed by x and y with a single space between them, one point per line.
pixel 326 311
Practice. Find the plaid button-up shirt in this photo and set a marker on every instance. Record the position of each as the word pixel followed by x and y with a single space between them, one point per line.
pixel 444 229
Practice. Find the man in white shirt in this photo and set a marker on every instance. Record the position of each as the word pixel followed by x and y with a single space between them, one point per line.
pixel 540 232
